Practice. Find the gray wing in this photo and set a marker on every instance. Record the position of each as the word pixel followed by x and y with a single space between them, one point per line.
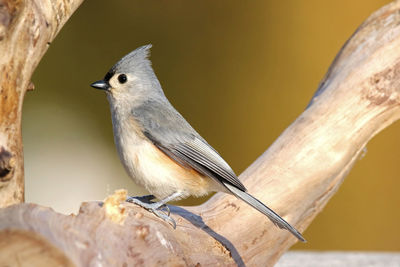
pixel 172 134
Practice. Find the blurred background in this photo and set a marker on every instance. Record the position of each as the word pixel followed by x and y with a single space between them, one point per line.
pixel 254 65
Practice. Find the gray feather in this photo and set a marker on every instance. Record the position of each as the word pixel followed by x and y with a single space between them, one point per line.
pixel 137 60
pixel 183 144
pixel 187 147
pixel 258 205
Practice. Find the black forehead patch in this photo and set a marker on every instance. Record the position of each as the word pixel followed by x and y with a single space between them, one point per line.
pixel 109 75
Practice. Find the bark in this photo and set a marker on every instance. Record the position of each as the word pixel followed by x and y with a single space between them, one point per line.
pixel 26 30
pixel 296 176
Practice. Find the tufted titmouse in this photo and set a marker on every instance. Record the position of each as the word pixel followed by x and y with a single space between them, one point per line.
pixel 158 147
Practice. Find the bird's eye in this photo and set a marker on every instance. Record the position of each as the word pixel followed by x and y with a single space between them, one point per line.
pixel 122 78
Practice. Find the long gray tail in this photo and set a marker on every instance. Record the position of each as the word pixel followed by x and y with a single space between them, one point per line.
pixel 258 205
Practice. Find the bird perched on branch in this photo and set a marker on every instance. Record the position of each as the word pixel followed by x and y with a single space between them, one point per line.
pixel 158 147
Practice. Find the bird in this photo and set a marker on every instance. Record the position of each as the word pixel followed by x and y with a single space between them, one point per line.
pixel 159 149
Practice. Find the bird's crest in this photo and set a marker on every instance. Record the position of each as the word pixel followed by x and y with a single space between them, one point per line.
pixel 138 59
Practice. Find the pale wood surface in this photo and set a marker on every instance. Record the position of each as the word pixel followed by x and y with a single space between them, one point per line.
pixel 296 176
pixel 339 259
pixel 27 249
pixel 26 30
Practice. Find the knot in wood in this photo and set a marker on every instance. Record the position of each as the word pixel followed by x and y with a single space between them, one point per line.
pixel 7 164
pixel 384 87
pixel 8 11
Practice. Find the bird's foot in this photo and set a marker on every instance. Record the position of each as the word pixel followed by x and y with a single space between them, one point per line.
pixel 157 208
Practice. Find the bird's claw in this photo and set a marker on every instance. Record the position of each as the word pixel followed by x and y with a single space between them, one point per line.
pixel 157 208
pixel 165 207
pixel 163 216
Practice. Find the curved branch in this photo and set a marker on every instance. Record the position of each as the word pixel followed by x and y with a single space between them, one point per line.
pixel 26 30
pixel 296 176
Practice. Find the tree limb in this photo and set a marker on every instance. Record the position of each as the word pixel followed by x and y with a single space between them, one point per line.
pixel 296 176
pixel 26 30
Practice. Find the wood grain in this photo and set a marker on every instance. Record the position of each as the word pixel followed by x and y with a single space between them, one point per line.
pixel 26 30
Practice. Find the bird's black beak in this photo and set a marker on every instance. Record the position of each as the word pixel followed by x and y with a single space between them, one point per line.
pixel 102 85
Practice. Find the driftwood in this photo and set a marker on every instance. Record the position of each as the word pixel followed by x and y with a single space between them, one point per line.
pixel 296 176
pixel 26 30
pixel 335 258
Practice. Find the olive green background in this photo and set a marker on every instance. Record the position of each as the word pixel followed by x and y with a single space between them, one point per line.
pixel 239 71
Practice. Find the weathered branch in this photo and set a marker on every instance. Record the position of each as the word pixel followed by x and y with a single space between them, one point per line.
pixel 26 30
pixel 296 176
